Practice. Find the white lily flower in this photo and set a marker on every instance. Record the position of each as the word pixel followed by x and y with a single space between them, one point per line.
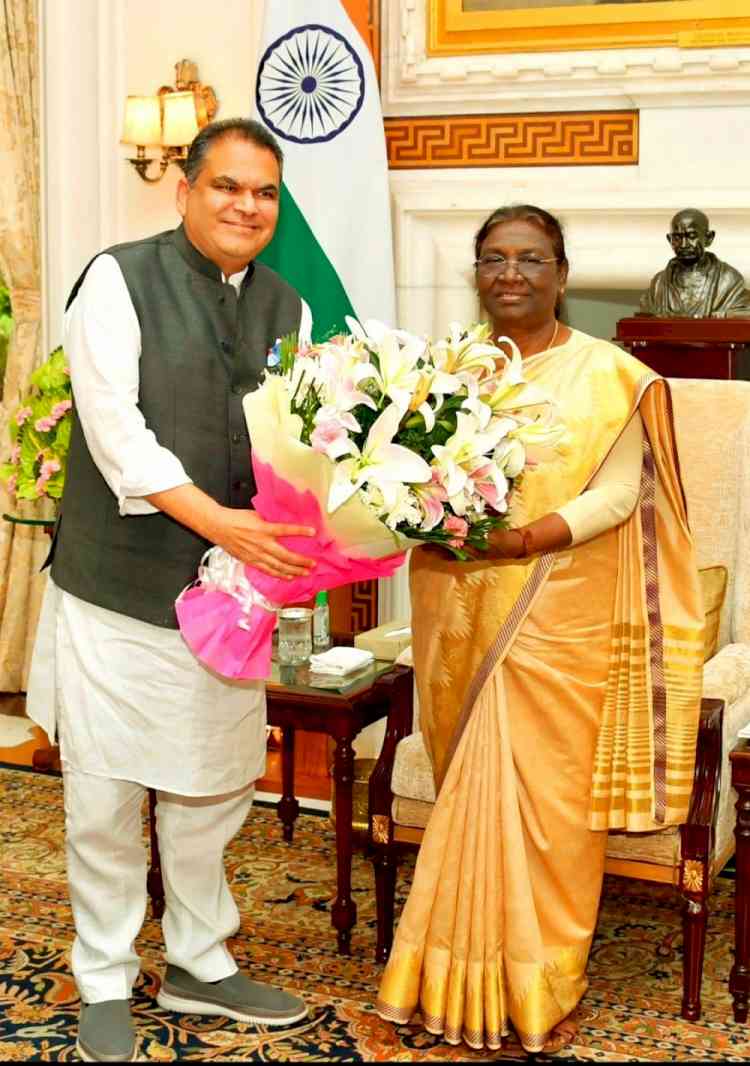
pixel 508 390
pixel 480 410
pixel 465 349
pixel 372 331
pixel 467 449
pixel 510 457
pixel 279 403
pixel 542 432
pixel 402 507
pixel 399 371
pixel 380 462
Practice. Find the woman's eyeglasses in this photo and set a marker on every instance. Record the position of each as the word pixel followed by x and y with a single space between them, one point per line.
pixel 492 266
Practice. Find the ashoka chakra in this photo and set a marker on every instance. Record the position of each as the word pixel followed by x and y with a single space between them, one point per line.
pixel 310 84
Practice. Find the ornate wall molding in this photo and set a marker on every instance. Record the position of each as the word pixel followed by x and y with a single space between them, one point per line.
pixel 577 138
pixel 415 84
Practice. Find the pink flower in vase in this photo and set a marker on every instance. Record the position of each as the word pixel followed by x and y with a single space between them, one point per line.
pixel 15 454
pixel 49 467
pixel 44 425
pixel 60 409
pixel 41 485
pixel 22 414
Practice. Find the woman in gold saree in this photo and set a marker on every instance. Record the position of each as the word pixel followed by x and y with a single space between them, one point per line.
pixel 559 679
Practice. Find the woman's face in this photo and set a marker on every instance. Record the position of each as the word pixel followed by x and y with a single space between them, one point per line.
pixel 523 295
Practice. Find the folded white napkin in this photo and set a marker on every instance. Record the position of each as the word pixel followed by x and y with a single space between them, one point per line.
pixel 340 661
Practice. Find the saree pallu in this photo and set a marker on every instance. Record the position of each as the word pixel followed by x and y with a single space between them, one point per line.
pixel 559 697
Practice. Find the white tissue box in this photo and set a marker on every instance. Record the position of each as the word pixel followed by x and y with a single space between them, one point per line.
pixel 387 641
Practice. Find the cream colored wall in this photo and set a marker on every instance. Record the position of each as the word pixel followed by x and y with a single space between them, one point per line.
pixel 694 107
pixel 94 53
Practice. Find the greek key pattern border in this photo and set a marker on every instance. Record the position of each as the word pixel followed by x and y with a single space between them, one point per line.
pixel 560 138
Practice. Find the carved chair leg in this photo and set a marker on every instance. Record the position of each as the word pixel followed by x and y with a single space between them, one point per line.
pixel 694 923
pixel 385 863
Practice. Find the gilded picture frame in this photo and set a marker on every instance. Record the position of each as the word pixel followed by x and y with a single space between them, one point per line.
pixel 584 24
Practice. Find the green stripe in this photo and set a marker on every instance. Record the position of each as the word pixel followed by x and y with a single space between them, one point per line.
pixel 296 254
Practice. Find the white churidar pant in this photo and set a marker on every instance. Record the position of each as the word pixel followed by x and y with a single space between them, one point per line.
pixel 133 708
pixel 107 878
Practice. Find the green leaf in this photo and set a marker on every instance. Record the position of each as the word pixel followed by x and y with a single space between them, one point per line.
pixel 62 437
pixel 51 375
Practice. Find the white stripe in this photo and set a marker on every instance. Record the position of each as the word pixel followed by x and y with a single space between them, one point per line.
pixel 341 184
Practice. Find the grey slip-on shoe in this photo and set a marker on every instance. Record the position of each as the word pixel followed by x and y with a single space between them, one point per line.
pixel 106 1032
pixel 235 997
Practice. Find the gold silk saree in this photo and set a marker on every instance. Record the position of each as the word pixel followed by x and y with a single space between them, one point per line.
pixel 559 697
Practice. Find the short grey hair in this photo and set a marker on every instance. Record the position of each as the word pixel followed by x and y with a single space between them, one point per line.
pixel 244 129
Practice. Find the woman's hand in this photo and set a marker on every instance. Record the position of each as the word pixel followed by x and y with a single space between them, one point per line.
pixel 503 544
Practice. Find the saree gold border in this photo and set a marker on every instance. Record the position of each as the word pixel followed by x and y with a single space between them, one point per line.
pixel 453 31
pixel 496 652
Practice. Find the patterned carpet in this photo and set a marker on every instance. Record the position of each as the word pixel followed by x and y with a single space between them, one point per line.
pixel 630 1012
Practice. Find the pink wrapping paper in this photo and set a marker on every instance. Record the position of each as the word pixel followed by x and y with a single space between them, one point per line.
pixel 215 624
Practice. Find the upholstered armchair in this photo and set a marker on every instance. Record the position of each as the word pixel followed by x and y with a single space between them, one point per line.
pixel 712 421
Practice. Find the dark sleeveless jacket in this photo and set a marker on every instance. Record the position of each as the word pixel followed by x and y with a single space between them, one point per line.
pixel 202 348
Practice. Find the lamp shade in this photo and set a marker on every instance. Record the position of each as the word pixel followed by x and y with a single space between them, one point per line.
pixel 180 120
pixel 142 121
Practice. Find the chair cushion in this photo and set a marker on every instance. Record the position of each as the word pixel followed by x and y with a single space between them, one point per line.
pixel 412 771
pixel 660 846
pixel 414 813
pixel 727 675
pixel 713 586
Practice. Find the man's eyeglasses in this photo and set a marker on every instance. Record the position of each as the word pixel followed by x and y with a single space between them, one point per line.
pixel 491 266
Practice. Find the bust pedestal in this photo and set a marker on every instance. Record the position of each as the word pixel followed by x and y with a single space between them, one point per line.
pixel 689 347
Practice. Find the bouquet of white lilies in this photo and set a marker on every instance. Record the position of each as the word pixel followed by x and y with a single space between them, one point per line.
pixel 378 440
pixel 430 436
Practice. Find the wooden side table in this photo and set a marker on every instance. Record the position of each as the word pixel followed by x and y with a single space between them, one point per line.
pixel 739 979
pixel 341 712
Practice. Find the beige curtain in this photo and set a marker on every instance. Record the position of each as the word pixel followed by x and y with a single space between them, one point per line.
pixel 22 548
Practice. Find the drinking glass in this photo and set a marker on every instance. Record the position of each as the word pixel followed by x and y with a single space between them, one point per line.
pixel 295 634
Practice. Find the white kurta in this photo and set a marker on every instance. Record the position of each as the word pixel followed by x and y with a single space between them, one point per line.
pixel 128 699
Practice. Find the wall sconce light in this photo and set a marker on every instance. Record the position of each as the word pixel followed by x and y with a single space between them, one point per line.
pixel 169 120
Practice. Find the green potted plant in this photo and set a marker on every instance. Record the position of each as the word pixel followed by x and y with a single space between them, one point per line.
pixel 40 434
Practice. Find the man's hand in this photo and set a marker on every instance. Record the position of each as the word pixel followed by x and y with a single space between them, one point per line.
pixel 242 533
pixel 248 538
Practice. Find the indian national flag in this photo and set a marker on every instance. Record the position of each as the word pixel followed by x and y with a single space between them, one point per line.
pixel 317 92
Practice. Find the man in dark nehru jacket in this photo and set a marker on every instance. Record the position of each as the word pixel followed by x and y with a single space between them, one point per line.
pixel 164 336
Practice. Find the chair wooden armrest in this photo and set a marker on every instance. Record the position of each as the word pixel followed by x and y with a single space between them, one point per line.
pixel 698 831
pixel 399 724
pixel 697 840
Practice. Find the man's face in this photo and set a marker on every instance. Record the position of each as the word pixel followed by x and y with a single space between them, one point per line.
pixel 230 212
pixel 689 237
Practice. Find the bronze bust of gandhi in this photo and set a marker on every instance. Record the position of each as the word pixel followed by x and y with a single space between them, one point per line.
pixel 695 283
